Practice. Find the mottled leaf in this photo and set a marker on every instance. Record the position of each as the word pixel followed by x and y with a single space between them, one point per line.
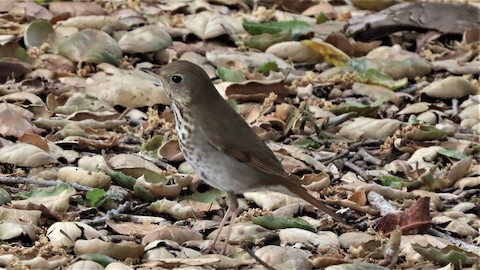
pixel 297 28
pixel 230 75
pixel 274 223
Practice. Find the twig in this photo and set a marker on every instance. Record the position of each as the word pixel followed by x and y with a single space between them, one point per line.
pixel 369 158
pixel 255 5
pixel 466 136
pixel 379 202
pixel 120 238
pixel 413 88
pixel 355 206
pixel 454 107
pixel 340 155
pixel 121 116
pixel 140 207
pixel 356 169
pixel 14 180
pixel 356 145
pixel 387 192
pixel 126 206
pixel 155 161
pixel 260 261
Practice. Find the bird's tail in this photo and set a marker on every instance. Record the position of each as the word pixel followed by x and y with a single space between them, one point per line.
pixel 301 192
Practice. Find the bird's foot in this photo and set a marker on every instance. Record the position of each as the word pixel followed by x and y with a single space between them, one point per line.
pixel 215 248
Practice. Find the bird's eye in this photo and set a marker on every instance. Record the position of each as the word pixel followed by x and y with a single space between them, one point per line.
pixel 177 78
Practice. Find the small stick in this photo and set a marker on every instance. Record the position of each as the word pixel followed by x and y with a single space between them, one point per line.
pixel 356 169
pixel 126 206
pixel 14 180
pixel 369 158
pixel 260 261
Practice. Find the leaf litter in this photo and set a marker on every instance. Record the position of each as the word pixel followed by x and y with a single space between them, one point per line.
pixel 382 123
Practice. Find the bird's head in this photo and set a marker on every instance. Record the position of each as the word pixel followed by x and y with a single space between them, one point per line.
pixel 183 81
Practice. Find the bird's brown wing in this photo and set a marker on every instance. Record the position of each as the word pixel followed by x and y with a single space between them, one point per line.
pixel 229 133
pixel 258 156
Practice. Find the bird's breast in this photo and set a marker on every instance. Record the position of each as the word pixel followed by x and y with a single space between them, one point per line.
pixel 182 123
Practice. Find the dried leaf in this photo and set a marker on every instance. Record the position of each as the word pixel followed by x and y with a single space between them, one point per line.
pixel 91 46
pixel 330 54
pixel 415 218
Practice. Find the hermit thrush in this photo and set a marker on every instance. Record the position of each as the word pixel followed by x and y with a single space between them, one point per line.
pixel 220 145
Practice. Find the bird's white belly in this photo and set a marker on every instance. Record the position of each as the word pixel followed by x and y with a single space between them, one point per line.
pixel 214 166
pixel 219 170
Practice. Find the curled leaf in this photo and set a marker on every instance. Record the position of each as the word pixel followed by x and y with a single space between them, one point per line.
pixel 330 53
pixel 91 46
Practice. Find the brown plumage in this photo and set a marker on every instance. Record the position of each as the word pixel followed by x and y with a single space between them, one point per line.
pixel 219 144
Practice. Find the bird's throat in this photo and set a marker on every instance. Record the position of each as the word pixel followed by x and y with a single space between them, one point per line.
pixel 183 123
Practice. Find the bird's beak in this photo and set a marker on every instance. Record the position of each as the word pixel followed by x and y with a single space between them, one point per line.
pixel 149 74
pixel 149 71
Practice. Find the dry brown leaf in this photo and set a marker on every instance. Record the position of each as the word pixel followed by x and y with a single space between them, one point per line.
pixel 118 251
pixel 415 219
pixel 171 232
pixel 15 124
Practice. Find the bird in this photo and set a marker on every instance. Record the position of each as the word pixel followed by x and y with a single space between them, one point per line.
pixel 220 145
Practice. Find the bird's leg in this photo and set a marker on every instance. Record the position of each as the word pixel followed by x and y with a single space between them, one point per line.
pixel 224 220
pixel 231 211
pixel 233 207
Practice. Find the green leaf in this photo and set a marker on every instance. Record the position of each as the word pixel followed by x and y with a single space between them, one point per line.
pixel 446 255
pixel 412 119
pixel 293 116
pixel 428 178
pixel 153 144
pixel 322 18
pixel 476 149
pixel 39 32
pixel 361 65
pixel 265 68
pixel 11 49
pixel 230 75
pixel 372 5
pixel 452 154
pixel 306 143
pixel 274 223
pixel 154 178
pixel 359 108
pixel 144 194
pixel 94 196
pixel 374 76
pixel 121 179
pixel 426 133
pixel 297 28
pixel 398 182
pixel 46 191
pixel 263 41
pixel 4 197
pixel 205 197
pixel 186 168
pixel 377 103
pixel 104 260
